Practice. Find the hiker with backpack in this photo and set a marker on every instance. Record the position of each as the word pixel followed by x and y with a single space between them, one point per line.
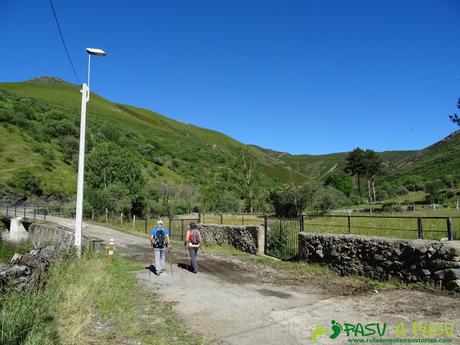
pixel 192 243
pixel 159 239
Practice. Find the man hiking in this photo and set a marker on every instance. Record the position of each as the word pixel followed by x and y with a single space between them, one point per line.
pixel 159 239
pixel 192 243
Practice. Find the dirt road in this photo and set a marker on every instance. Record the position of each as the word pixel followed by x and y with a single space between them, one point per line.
pixel 233 302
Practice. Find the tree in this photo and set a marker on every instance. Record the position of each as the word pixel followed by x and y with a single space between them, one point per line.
pixel 355 165
pixel 114 171
pixel 339 181
pixel 247 176
pixel 454 117
pixel 290 200
pixel 372 166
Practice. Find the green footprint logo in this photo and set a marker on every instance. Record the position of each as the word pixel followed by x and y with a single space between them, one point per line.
pixel 318 331
pixel 336 329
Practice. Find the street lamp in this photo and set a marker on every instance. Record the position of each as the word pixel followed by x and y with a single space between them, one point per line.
pixel 81 157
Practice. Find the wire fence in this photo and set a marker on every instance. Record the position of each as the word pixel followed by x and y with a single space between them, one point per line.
pixel 281 233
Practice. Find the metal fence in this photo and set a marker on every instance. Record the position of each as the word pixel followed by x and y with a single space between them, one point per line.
pixel 282 234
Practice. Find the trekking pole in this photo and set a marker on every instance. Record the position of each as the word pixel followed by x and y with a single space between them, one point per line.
pixel 202 252
pixel 170 262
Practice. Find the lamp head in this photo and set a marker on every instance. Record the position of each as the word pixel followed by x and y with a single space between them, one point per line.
pixel 95 51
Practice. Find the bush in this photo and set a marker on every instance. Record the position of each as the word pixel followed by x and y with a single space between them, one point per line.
pixel 328 199
pixel 341 182
pixel 26 182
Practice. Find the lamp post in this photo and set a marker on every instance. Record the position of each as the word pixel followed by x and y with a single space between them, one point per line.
pixel 81 156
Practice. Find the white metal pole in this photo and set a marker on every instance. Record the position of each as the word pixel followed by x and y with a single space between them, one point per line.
pixel 81 163
pixel 81 170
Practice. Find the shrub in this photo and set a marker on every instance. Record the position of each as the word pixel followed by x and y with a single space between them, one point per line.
pixel 26 182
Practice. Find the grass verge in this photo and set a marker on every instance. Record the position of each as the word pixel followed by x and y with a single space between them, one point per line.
pixel 86 301
pixel 8 249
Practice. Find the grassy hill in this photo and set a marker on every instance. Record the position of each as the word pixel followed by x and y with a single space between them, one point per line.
pixel 317 166
pixel 436 161
pixel 169 150
pixel 39 126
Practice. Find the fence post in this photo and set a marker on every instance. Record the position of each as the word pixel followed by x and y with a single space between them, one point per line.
pixel 145 224
pixel 121 218
pixel 106 214
pixel 302 222
pixel 181 226
pixel 134 221
pixel 221 218
pixel 420 228
pixel 7 213
pixel 349 224
pixel 199 217
pixel 35 212
pixel 242 219
pixel 182 234
pixel 25 212
pixel 92 215
pixel 14 211
pixel 266 233
pixel 450 236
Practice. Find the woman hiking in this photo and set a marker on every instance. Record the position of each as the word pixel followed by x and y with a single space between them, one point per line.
pixel 192 243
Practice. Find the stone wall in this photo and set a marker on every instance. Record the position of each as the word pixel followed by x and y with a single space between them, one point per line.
pixel 60 236
pixel 384 258
pixel 249 239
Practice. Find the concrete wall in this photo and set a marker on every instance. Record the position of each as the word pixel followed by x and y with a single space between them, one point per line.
pixel 383 258
pixel 16 232
pixel 249 239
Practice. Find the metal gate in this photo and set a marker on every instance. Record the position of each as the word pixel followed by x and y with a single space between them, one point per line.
pixel 281 237
pixel 178 228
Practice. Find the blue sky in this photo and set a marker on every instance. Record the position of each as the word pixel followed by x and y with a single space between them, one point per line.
pixel 298 76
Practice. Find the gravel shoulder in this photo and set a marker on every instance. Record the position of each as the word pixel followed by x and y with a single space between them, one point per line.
pixel 235 299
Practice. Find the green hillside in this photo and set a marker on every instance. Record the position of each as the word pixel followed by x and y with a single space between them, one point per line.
pixel 436 161
pixel 170 151
pixel 39 136
pixel 317 166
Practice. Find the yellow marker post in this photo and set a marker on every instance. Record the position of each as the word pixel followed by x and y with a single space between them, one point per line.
pixel 110 252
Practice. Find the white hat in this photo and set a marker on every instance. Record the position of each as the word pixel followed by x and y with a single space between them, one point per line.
pixel 160 222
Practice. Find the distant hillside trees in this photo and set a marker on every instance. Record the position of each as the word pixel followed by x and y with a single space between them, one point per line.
pixel 114 180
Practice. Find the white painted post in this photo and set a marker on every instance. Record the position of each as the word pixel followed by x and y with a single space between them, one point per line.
pixel 121 218
pixel 134 221
pixel 81 169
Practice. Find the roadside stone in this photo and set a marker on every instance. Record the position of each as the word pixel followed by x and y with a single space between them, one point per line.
pixel 448 274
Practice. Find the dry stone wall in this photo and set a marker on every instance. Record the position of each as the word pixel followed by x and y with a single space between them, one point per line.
pixel 248 239
pixel 384 258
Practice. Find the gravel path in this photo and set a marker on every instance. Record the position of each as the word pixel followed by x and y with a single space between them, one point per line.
pixel 231 302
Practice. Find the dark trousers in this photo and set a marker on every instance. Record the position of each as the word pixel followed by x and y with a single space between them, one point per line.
pixel 193 256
